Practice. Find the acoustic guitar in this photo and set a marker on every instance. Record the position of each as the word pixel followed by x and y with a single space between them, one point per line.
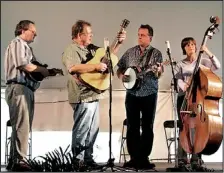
pixel 99 82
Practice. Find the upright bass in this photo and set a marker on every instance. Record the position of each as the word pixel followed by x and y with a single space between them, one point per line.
pixel 202 124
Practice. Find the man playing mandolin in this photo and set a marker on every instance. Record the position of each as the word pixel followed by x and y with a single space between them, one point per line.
pixel 142 99
pixel 84 99
pixel 20 89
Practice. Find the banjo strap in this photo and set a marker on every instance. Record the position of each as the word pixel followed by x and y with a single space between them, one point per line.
pixel 144 68
pixel 148 58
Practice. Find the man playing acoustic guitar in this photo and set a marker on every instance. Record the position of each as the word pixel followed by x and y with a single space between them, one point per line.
pixel 84 99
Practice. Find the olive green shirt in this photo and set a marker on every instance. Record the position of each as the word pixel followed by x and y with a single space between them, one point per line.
pixel 78 92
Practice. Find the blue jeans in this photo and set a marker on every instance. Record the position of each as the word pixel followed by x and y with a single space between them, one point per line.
pixel 85 129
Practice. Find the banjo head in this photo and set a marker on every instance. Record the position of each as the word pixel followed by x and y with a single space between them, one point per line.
pixel 132 72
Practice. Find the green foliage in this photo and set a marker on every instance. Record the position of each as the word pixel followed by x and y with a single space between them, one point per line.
pixel 56 161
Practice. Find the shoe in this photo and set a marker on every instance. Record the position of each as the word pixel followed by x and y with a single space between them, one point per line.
pixel 21 167
pixel 196 164
pixel 9 165
pixel 93 165
pixel 203 169
pixel 131 164
pixel 182 162
pixel 145 164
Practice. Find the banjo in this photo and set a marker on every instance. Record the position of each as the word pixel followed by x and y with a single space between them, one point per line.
pixel 135 75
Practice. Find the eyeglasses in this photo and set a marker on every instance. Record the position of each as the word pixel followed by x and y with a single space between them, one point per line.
pixel 143 35
pixel 85 33
pixel 34 33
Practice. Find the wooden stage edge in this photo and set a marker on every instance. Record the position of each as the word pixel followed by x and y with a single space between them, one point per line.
pixel 160 167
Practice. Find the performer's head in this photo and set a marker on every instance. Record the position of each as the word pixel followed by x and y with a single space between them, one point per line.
pixel 26 30
pixel 145 34
pixel 82 32
pixel 188 45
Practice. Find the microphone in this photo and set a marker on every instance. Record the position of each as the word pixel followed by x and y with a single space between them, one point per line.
pixel 107 59
pixel 168 46
pixel 106 44
pixel 169 51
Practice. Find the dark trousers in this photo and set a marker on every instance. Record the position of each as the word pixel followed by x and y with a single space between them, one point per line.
pixel 140 145
pixel 182 155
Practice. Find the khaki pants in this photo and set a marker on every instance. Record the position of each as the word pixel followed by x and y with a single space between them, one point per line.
pixel 20 100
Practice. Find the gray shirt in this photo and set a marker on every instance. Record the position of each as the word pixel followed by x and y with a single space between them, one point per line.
pixel 77 91
pixel 18 53
pixel 184 70
pixel 132 57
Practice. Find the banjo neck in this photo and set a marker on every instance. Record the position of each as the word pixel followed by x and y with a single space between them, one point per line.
pixel 153 67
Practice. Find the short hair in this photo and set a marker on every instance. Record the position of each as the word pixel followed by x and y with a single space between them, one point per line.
pixel 186 41
pixel 150 29
pixel 78 27
pixel 22 25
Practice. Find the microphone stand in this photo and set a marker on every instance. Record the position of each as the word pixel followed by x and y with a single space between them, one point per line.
pixel 110 162
pixel 174 93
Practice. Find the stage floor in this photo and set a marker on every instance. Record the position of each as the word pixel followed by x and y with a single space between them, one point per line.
pixel 160 167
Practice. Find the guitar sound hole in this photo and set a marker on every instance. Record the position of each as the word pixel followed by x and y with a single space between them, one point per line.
pixel 104 60
pixel 106 71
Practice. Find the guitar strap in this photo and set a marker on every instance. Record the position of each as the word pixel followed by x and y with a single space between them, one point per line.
pixel 92 50
pixel 33 58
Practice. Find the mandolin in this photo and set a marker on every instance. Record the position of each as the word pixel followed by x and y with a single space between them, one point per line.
pixel 37 76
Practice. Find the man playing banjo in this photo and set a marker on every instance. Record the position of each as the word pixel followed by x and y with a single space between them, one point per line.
pixel 141 96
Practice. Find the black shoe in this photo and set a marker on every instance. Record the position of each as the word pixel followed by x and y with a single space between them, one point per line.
pixel 79 165
pixel 9 165
pixel 145 164
pixel 196 164
pixel 93 165
pixel 203 169
pixel 21 167
pixel 131 164
pixel 182 163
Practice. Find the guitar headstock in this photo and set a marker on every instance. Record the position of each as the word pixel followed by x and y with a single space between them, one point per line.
pixel 56 71
pixel 125 23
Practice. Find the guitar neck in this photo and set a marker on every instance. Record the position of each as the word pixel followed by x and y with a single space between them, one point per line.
pixel 115 43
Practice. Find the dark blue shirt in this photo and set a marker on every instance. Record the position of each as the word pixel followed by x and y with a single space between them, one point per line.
pixel 133 57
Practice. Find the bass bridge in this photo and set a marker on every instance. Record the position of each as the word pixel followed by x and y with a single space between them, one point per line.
pixel 194 110
pixel 191 113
